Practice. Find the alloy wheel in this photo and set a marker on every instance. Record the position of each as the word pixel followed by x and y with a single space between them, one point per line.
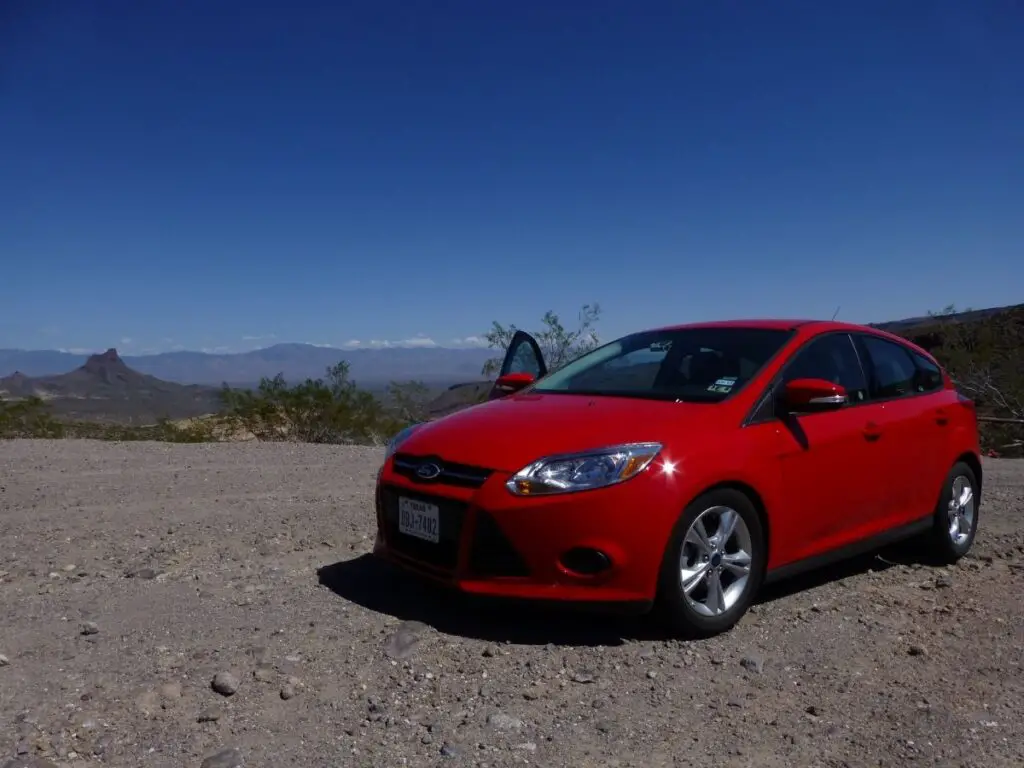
pixel 715 561
pixel 961 510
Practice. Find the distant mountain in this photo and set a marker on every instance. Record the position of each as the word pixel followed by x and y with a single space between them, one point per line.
pixel 968 316
pixel 105 388
pixel 369 367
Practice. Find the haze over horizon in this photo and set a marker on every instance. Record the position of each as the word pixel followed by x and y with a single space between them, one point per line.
pixel 187 176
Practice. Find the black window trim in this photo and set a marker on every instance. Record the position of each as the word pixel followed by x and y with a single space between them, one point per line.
pixel 755 416
pixel 858 340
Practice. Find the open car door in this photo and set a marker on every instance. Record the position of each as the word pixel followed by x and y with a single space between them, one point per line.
pixel 523 365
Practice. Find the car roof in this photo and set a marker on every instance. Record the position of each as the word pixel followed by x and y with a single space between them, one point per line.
pixel 780 324
pixel 792 324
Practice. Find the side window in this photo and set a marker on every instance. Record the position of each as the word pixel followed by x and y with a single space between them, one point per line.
pixel 929 376
pixel 832 358
pixel 893 371
pixel 524 360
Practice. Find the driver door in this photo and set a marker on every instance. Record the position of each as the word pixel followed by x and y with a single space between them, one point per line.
pixel 522 356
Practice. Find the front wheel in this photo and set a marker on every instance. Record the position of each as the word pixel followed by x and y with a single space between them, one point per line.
pixel 955 523
pixel 713 565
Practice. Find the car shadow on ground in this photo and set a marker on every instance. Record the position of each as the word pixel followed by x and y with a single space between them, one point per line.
pixel 378 586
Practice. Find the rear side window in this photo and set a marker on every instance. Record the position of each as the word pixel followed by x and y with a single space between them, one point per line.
pixel 893 371
pixel 929 376
pixel 832 358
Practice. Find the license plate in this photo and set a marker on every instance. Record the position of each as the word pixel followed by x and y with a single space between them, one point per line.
pixel 419 519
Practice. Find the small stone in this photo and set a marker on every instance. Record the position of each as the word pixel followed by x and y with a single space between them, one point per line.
pixel 527 746
pixel 287 692
pixel 404 640
pixel 427 739
pixel 812 710
pixel 503 722
pixel 208 716
pixel 88 628
pixel 264 673
pixel 449 751
pixel 651 675
pixel 4 661
pixel 171 691
pixel 753 664
pixel 583 677
pixel 226 758
pixel 917 650
pixel 489 652
pixel 943 583
pixel 225 683
pixel 147 703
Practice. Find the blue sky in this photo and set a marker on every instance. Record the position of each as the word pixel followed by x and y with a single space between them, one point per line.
pixel 200 174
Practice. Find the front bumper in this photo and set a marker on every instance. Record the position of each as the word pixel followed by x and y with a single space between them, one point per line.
pixel 493 544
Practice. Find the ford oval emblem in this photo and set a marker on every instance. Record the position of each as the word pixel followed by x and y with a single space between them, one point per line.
pixel 428 471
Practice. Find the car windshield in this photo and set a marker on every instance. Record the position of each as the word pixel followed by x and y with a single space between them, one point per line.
pixel 700 364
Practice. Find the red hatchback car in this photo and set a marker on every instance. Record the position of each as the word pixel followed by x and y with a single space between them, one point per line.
pixel 681 468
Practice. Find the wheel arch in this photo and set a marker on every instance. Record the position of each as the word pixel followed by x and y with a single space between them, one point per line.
pixel 755 498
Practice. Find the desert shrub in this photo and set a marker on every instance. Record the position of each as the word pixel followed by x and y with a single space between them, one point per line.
pixel 983 354
pixel 328 410
pixel 29 417
pixel 558 344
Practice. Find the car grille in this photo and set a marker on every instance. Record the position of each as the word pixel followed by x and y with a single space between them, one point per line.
pixel 492 554
pixel 462 475
pixel 442 555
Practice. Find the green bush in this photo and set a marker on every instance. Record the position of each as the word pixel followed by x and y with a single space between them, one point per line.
pixel 331 410
pixel 28 418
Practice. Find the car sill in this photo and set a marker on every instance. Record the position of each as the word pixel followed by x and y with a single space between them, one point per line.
pixel 840 554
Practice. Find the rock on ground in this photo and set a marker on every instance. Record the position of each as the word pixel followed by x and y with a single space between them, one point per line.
pixel 132 574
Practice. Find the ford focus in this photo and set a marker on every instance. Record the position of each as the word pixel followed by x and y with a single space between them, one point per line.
pixel 680 469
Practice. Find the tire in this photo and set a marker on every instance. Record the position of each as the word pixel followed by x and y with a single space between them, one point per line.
pixel 691 613
pixel 942 543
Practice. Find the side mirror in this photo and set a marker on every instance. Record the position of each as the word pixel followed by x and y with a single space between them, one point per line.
pixel 813 395
pixel 513 382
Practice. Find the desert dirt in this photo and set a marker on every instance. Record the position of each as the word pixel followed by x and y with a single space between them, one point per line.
pixel 137 578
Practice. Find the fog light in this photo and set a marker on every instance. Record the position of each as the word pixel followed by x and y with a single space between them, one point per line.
pixel 586 561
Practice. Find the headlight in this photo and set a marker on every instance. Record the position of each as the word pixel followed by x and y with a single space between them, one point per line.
pixel 398 439
pixel 583 471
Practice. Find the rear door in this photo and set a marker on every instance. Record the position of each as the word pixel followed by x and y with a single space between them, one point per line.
pixel 914 426
pixel 522 356
pixel 828 460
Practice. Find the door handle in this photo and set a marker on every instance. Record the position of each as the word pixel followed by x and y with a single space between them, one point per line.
pixel 872 431
pixel 941 418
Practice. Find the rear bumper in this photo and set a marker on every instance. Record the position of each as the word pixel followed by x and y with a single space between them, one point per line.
pixel 493 545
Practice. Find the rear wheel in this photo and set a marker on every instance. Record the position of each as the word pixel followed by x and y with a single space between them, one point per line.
pixel 955 522
pixel 713 565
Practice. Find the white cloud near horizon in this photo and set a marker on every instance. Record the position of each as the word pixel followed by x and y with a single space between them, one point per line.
pixel 420 341
pixel 470 341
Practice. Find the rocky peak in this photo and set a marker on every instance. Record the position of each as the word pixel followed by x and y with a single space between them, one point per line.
pixel 107 365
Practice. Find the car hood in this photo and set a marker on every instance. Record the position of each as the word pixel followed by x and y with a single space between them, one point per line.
pixel 509 433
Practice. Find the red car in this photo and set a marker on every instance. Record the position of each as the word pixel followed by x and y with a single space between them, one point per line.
pixel 681 468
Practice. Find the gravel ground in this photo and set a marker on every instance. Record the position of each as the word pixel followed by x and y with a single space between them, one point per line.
pixel 216 606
